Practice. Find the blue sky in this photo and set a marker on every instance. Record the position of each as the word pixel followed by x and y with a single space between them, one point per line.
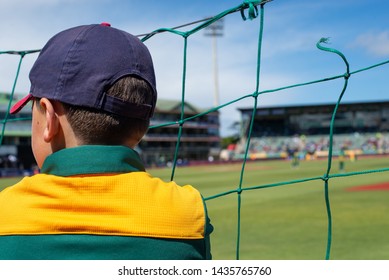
pixel 358 28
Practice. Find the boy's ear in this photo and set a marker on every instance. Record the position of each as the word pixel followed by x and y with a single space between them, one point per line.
pixel 52 121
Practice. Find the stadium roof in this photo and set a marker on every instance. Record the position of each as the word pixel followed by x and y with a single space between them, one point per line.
pixel 352 103
pixel 169 105
pixel 4 97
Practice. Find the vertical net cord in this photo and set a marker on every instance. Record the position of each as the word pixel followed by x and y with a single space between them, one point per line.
pixel 182 114
pixel 329 220
pixel 326 175
pixel 255 96
pixel 4 122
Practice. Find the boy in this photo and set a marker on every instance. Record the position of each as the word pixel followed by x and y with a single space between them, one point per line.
pixel 93 92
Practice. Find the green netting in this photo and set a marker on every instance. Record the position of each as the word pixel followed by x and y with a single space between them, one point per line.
pixel 251 10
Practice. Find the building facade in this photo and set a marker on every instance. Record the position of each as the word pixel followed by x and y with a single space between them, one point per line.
pixel 15 137
pixel 198 136
pixel 361 117
pixel 359 127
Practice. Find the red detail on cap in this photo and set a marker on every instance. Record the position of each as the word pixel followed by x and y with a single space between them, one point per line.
pixel 20 104
pixel 105 24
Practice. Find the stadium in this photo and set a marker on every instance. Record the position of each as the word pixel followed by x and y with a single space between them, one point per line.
pixel 261 205
pixel 361 128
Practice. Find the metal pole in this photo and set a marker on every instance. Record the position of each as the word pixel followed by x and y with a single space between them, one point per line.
pixel 215 30
pixel 215 72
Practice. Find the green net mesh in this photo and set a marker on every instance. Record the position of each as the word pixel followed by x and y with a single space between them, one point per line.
pixel 249 10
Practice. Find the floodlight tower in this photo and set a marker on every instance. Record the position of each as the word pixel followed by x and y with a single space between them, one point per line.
pixel 215 30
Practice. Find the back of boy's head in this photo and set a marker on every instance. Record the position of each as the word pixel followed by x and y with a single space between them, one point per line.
pixel 103 76
pixel 92 126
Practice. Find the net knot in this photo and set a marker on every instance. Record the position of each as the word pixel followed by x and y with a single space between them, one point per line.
pixel 325 178
pixel 252 9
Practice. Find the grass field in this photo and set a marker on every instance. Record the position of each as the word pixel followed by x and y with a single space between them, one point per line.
pixel 290 222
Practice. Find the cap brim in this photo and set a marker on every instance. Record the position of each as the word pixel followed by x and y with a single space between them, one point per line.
pixel 20 104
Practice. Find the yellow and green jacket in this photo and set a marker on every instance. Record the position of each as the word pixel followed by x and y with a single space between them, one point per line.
pixel 97 202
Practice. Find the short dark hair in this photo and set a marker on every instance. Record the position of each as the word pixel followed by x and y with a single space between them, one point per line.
pixel 92 126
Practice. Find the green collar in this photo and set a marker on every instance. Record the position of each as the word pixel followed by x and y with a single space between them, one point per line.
pixel 93 159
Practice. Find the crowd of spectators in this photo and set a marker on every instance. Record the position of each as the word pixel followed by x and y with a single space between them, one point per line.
pixel 369 143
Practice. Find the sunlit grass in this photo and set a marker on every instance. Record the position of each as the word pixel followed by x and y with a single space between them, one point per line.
pixel 290 221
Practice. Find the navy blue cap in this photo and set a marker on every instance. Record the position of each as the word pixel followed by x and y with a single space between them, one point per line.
pixel 77 66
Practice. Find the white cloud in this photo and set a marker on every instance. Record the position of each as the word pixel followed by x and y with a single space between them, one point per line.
pixel 375 43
